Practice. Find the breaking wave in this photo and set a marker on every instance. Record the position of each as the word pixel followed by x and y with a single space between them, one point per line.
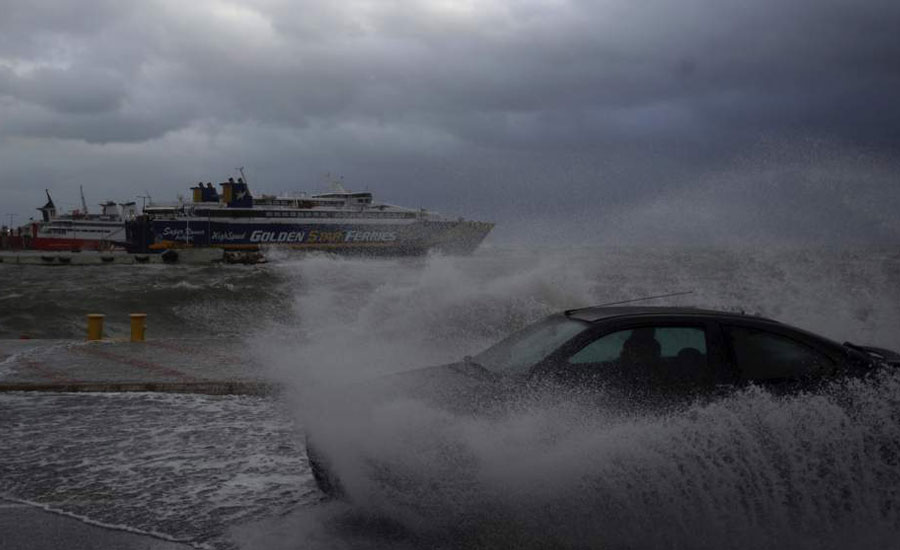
pixel 752 470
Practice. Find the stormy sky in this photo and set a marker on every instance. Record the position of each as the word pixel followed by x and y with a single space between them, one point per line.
pixel 583 121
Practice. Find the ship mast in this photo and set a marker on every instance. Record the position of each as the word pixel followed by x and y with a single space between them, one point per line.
pixel 83 203
pixel 144 198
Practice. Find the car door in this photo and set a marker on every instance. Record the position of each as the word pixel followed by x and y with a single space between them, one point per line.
pixel 642 359
pixel 776 357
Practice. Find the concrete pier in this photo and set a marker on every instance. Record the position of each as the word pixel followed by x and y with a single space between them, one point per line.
pixel 207 366
pixel 190 256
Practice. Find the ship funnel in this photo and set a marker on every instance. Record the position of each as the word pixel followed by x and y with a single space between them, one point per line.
pixel 205 194
pixel 48 211
pixel 236 194
pixel 197 192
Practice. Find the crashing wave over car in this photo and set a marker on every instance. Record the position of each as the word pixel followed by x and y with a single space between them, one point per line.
pixel 648 358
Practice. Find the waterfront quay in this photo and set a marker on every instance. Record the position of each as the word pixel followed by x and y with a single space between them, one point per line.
pixel 204 366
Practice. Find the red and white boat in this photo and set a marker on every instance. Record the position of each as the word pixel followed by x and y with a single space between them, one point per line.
pixel 80 230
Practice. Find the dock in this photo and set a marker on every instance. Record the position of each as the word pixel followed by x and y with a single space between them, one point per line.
pixel 184 256
pixel 212 367
pixel 190 256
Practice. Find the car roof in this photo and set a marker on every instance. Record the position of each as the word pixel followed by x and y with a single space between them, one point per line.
pixel 599 313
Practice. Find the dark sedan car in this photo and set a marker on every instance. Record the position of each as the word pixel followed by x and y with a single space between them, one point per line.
pixel 642 356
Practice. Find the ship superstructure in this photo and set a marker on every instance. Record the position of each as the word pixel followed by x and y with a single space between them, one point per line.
pixel 338 221
pixel 79 229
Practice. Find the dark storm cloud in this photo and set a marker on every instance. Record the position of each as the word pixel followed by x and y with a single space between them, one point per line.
pixel 570 108
pixel 71 90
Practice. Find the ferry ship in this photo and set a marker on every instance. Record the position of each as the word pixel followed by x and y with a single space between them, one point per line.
pixel 339 221
pixel 80 230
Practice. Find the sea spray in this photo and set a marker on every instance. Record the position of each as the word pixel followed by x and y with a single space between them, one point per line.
pixel 752 470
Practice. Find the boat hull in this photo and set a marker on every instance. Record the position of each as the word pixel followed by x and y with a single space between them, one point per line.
pixel 418 237
pixel 65 244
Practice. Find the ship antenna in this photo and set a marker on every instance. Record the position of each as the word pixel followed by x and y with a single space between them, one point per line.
pixel 144 198
pixel 243 177
pixel 83 203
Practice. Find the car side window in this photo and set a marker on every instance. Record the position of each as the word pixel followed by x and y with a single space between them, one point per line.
pixel 763 355
pixel 606 348
pixel 670 341
pixel 667 355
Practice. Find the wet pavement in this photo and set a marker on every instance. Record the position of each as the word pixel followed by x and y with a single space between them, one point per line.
pixel 186 466
pixel 26 527
pixel 185 365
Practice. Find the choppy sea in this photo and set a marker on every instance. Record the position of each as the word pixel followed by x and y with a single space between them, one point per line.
pixel 753 470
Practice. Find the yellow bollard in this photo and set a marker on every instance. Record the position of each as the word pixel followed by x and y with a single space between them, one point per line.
pixel 95 326
pixel 138 326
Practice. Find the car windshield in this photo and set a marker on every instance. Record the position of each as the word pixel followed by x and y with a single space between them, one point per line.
pixel 515 354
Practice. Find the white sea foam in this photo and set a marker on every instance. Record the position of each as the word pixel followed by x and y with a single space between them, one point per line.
pixel 807 471
pixel 112 526
pixel 179 466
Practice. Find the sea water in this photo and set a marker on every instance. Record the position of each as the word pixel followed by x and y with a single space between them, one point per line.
pixel 752 470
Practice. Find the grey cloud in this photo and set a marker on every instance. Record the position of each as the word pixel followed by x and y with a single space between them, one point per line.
pixel 584 60
pixel 72 90
pixel 523 106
